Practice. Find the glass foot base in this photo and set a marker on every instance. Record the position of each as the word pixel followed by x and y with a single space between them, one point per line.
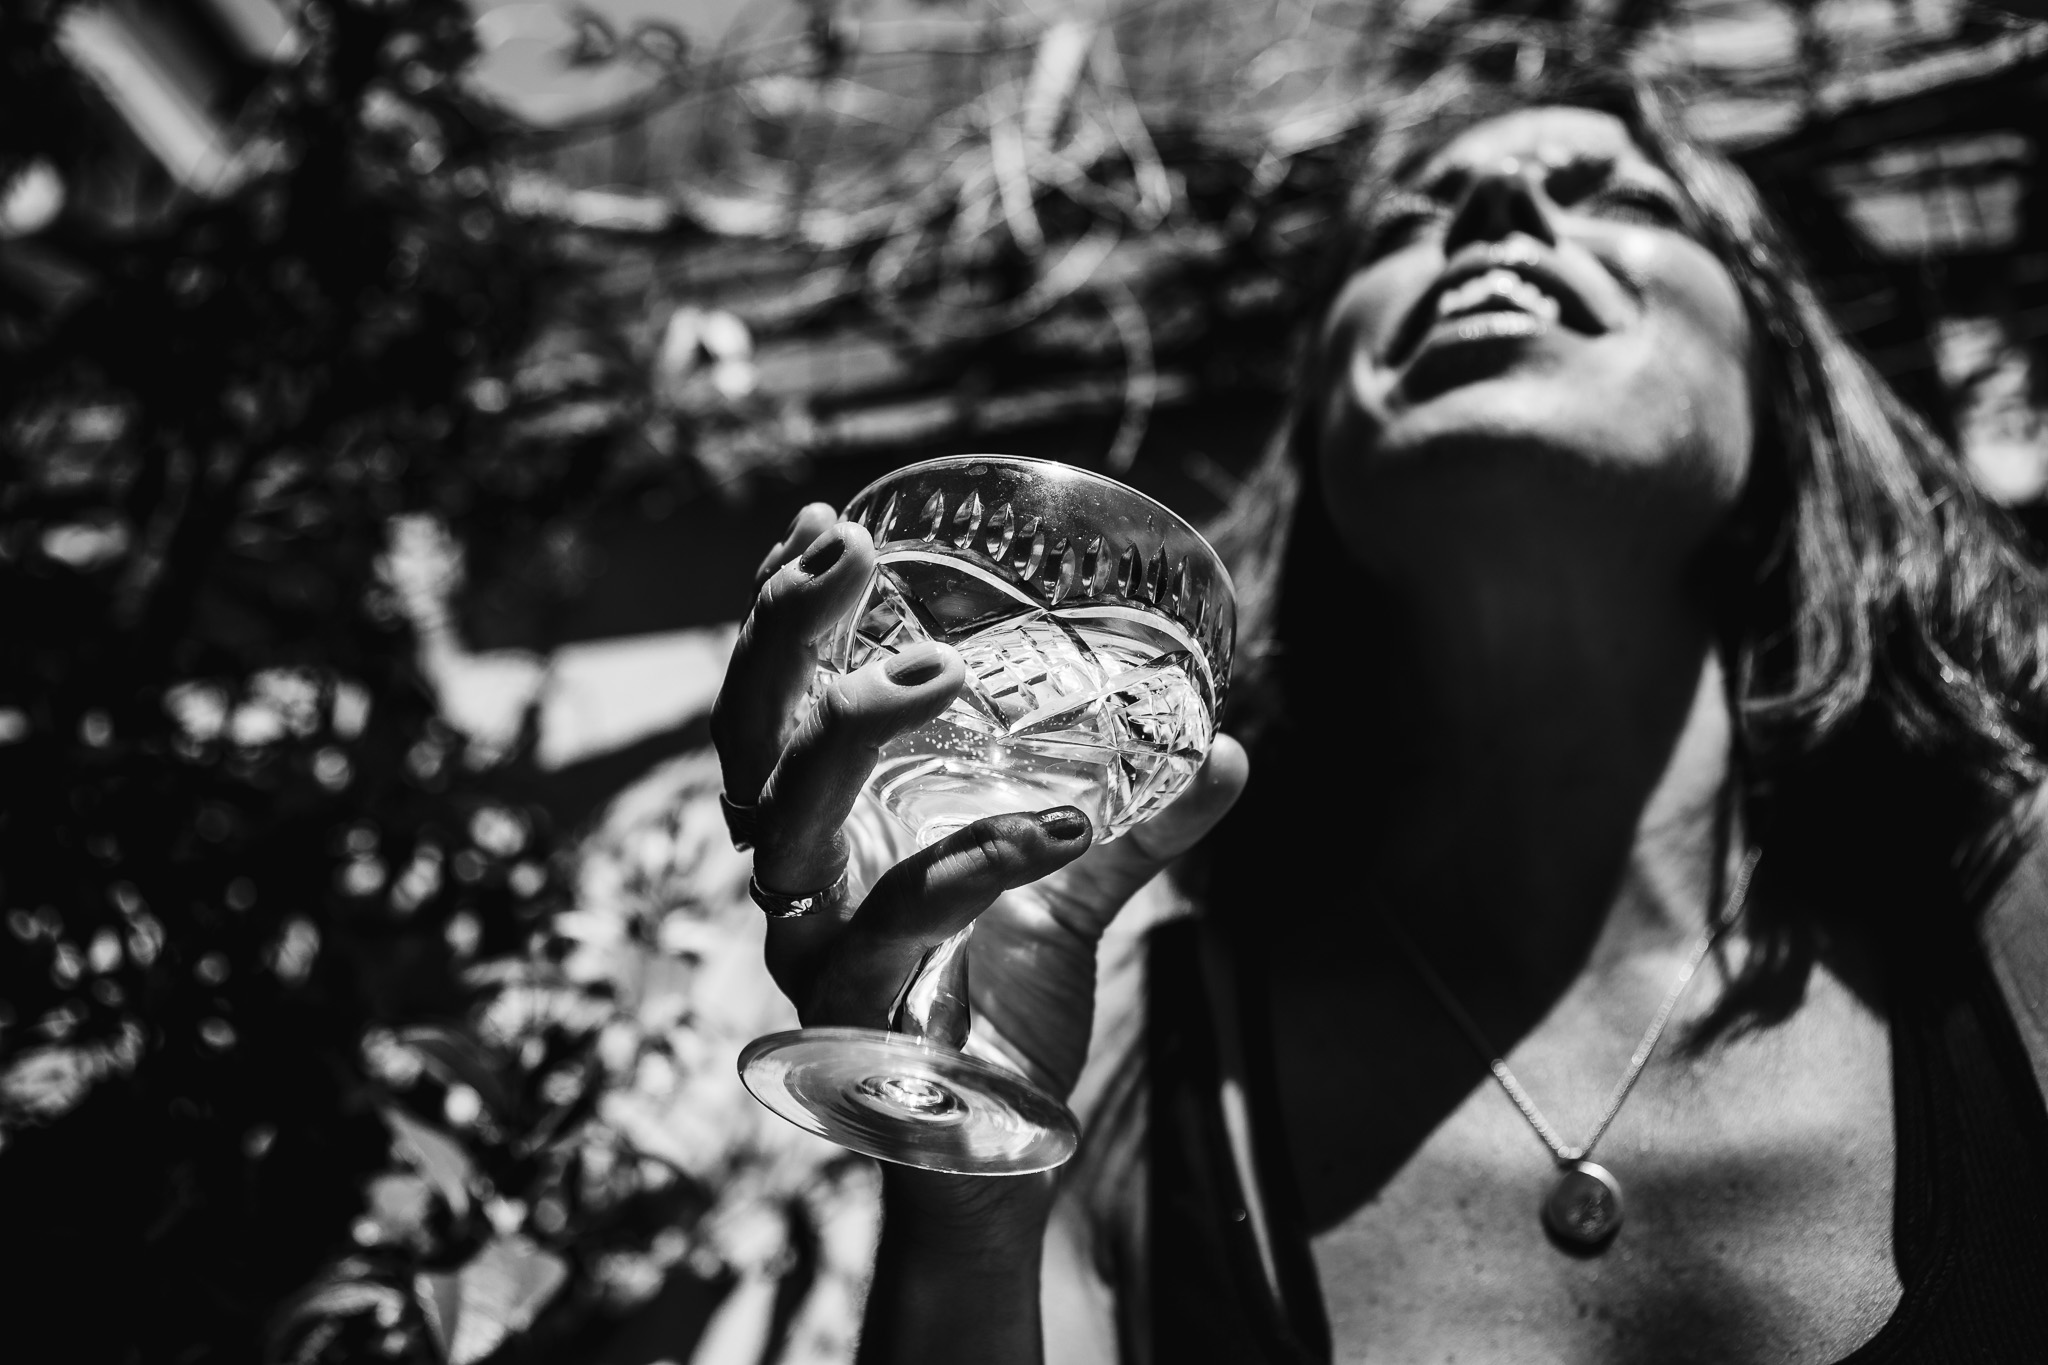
pixel 902 1099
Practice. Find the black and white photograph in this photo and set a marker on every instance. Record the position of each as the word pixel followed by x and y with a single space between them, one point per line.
pixel 1024 682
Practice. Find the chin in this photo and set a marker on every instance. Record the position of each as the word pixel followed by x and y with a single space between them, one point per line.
pixel 1588 407
pixel 1500 422
pixel 1449 368
pixel 1518 454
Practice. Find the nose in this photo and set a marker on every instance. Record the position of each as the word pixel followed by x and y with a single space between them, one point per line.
pixel 1500 201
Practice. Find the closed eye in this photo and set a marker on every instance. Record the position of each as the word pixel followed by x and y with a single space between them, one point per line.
pixel 1623 202
pixel 1397 220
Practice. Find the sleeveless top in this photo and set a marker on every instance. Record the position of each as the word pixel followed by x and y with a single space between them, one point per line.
pixel 1970 1218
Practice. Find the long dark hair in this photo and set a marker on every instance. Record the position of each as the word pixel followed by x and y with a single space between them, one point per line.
pixel 1884 635
pixel 1887 638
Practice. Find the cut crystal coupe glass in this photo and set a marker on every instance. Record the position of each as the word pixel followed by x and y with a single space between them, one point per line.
pixel 1097 628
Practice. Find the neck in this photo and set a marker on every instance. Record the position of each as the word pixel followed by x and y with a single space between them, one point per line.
pixel 1545 784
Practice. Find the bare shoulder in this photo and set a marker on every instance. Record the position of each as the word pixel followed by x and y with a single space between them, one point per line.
pixel 2013 925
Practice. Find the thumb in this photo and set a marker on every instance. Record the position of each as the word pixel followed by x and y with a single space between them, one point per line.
pixel 1108 876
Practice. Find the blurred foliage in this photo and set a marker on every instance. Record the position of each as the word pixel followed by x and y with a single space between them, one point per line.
pixel 256 892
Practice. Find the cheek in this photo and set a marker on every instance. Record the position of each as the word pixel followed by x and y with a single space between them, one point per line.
pixel 1368 310
pixel 1356 388
pixel 1351 389
pixel 1693 289
pixel 1350 420
pixel 1641 255
pixel 1697 364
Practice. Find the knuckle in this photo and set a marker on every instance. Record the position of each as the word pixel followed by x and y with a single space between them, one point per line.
pixel 836 709
pixel 723 724
pixel 780 604
pixel 733 735
pixel 845 714
pixel 744 645
pixel 737 723
pixel 770 601
pixel 988 851
pixel 825 724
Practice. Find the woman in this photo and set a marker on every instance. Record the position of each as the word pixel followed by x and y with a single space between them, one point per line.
pixel 1612 571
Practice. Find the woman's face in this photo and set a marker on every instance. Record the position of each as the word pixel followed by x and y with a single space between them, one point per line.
pixel 1536 334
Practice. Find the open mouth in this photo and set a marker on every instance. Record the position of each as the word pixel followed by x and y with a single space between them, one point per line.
pixel 1489 298
pixel 1499 290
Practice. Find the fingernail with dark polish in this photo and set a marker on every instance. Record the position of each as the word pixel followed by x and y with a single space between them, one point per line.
pixel 824 552
pixel 1063 823
pixel 908 670
pixel 793 521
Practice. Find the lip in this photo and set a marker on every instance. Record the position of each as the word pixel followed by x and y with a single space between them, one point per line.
pixel 1527 260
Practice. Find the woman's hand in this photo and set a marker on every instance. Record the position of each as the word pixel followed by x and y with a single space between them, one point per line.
pixel 956 1273
pixel 1042 905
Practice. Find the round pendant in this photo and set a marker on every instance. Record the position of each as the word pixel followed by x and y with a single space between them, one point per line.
pixel 1583 1211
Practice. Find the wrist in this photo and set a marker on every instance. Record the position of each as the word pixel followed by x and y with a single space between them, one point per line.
pixel 956 1274
pixel 987 1222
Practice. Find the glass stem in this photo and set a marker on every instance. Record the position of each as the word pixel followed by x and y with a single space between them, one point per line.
pixel 933 1002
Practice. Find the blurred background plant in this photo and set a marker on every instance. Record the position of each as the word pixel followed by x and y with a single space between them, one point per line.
pixel 250 872
pixel 395 397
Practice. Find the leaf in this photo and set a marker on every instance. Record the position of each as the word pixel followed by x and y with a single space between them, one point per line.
pixel 308 1323
pixel 457 1059
pixel 399 1206
pixel 315 1343
pixel 440 1297
pixel 644 1129
pixel 343 1299
pixel 434 1155
pixel 499 1292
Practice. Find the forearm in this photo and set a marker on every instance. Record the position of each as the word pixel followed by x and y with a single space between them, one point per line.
pixel 957 1279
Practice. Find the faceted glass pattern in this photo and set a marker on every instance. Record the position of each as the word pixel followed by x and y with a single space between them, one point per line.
pixel 1096 627
pixel 1100 706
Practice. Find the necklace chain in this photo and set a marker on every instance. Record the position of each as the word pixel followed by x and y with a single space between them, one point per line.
pixel 1564 1154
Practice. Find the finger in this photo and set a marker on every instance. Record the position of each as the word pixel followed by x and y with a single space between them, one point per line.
pixel 806 801
pixel 773 660
pixel 810 523
pixel 925 900
pixel 1092 894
